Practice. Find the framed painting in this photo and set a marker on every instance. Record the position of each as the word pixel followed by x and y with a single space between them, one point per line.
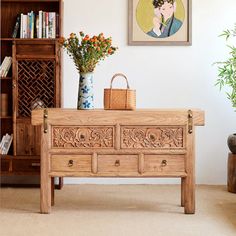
pixel 160 22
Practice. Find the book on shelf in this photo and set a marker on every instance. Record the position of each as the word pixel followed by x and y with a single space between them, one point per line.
pixel 5 66
pixel 41 25
pixel 6 143
pixel 16 27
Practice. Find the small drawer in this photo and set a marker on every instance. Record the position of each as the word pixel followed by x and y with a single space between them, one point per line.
pixel 5 164
pixel 35 49
pixel 163 163
pixel 23 165
pixel 152 137
pixel 83 137
pixel 71 163
pixel 117 163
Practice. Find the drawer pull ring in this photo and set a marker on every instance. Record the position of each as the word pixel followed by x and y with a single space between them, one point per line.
pixel 117 163
pixel 82 136
pixel 70 163
pixel 164 163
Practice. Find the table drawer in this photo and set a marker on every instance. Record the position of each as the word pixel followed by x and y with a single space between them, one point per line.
pixel 83 137
pixel 37 49
pixel 163 163
pixel 24 165
pixel 152 137
pixel 117 163
pixel 71 163
pixel 5 164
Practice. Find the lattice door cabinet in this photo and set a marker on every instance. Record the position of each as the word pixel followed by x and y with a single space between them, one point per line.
pixel 34 78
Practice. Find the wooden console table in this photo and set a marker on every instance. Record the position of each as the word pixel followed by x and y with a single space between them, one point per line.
pixel 98 143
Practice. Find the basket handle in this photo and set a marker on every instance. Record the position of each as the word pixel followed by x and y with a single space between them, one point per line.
pixel 119 74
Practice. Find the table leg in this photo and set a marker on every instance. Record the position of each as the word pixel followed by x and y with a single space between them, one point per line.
pixel 52 191
pixel 45 179
pixel 45 195
pixel 189 196
pixel 189 204
pixel 182 191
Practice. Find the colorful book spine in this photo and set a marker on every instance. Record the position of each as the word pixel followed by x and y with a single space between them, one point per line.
pixel 16 27
pixel 46 25
pixel 6 143
pixel 40 34
pixel 57 26
pixel 21 25
pixel 5 66
pixel 8 66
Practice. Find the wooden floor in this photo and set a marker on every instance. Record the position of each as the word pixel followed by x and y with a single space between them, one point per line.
pixel 120 210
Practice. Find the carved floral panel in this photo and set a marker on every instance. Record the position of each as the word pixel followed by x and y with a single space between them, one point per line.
pixel 82 137
pixel 152 137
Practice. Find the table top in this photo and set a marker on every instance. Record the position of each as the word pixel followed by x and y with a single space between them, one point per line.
pixel 61 116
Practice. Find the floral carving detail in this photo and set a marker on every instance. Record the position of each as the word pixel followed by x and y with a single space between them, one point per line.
pixel 152 137
pixel 82 137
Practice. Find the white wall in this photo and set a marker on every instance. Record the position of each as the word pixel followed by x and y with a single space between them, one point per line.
pixel 164 77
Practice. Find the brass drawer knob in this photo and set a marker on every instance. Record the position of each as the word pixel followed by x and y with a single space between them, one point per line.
pixel 35 164
pixel 70 163
pixel 117 163
pixel 82 136
pixel 164 163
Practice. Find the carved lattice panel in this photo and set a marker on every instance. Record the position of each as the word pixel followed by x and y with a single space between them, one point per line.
pixel 152 137
pixel 36 80
pixel 83 137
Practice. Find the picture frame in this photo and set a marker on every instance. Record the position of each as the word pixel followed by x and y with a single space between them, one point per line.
pixel 160 22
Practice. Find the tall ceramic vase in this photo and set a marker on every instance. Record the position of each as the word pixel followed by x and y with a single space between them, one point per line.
pixel 85 95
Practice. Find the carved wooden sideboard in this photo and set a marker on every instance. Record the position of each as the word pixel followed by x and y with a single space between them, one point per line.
pixel 98 143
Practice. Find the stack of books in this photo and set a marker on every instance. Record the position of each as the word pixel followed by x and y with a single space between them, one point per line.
pixel 5 143
pixel 5 66
pixel 41 25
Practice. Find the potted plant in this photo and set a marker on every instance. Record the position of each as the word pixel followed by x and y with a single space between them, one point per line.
pixel 227 78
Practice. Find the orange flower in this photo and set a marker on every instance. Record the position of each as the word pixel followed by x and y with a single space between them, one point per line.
pixel 61 40
pixel 92 49
pixel 72 35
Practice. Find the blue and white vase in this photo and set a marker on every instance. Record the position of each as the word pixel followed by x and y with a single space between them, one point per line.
pixel 85 96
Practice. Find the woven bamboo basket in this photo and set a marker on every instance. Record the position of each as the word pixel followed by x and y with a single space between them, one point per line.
pixel 119 99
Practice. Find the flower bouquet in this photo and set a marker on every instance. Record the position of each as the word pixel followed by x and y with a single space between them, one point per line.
pixel 86 53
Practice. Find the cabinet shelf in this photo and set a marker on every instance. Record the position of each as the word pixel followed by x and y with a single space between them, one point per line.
pixel 35 1
pixel 6 78
pixel 6 117
pixel 28 39
pixel 11 157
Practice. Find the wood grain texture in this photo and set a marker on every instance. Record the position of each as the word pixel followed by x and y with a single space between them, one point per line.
pixel 117 163
pixel 141 163
pixel 26 138
pixel 164 163
pixel 189 196
pixel 176 159
pixel 151 137
pixel 45 179
pixel 91 117
pixel 231 180
pixel 121 174
pixel 82 137
pixel 71 163
pixel 182 192
pixel 94 163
